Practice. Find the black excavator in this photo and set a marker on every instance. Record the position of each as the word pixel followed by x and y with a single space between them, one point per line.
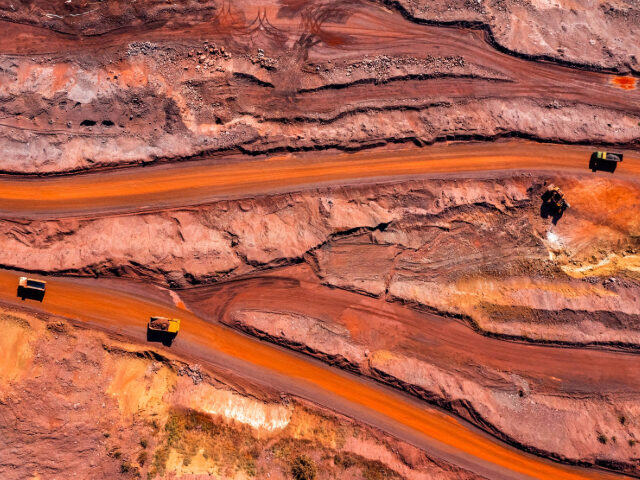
pixel 605 161
pixel 553 201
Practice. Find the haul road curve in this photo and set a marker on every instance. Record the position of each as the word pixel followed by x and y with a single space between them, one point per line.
pixel 121 312
pixel 103 87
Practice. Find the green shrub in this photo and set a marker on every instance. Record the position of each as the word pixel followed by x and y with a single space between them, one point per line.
pixel 375 470
pixel 160 460
pixel 303 468
pixel 602 438
pixel 344 461
pixel 248 465
pixel 115 453
pixel 126 467
pixel 173 429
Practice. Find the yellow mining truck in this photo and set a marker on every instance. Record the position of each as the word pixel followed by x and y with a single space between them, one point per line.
pixel 31 288
pixel 163 329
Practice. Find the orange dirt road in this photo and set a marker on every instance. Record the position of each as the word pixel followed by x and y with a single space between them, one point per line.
pixel 122 310
pixel 193 183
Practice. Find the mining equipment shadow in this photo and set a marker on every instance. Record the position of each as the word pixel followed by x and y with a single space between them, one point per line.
pixel 31 294
pixel 548 210
pixel 161 337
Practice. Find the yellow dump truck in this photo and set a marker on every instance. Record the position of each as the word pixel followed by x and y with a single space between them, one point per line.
pixel 163 329
pixel 31 288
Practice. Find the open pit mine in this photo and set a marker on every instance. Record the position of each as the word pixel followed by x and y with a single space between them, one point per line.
pixel 319 239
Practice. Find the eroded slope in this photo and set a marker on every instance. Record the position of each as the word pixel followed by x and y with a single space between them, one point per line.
pixel 477 248
pixel 480 250
pixel 77 403
pixel 134 84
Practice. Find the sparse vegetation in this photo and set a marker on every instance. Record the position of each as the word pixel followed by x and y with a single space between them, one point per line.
pixel 114 453
pixel 187 432
pixel 287 449
pixel 310 446
pixel 160 458
pixel 371 470
pixel 303 468
pixel 234 448
pixel 344 461
pixel 128 468
pixel 632 442
pixel 249 466
pixel 602 438
pixel 13 319
pixel 173 427
pixel 374 470
pixel 622 419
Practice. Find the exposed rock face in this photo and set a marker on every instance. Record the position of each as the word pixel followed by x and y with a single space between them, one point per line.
pixel 565 419
pixel 75 403
pixel 477 249
pixel 266 231
pixel 593 34
pixel 144 86
pixel 417 284
pixel 461 247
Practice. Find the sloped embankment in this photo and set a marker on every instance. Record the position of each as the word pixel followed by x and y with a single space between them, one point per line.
pixel 83 404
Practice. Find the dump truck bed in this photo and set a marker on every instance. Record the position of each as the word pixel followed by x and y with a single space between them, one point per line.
pixel 609 156
pixel 32 284
pixel 162 324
